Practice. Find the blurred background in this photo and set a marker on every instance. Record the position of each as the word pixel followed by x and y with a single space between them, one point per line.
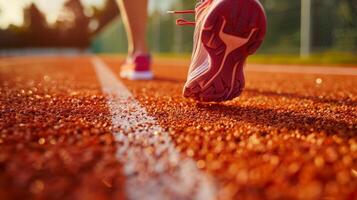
pixel 321 30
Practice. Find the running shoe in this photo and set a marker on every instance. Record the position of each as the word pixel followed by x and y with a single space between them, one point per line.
pixel 226 33
pixel 137 67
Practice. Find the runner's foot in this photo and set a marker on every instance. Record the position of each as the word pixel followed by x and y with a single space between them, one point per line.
pixel 226 33
pixel 137 67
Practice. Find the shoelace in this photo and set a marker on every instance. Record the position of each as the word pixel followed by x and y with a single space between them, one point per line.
pixel 184 22
pixel 181 21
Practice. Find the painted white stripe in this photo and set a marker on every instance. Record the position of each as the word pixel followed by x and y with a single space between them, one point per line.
pixel 154 168
pixel 343 71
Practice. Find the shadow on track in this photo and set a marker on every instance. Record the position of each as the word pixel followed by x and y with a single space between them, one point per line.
pixel 170 80
pixel 281 119
pixel 348 102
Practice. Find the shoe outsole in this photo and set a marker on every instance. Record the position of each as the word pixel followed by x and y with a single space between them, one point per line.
pixel 225 81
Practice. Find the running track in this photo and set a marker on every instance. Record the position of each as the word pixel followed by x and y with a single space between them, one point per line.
pixel 71 129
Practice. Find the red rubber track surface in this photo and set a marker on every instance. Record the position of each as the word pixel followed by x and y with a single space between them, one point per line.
pixel 56 140
pixel 289 136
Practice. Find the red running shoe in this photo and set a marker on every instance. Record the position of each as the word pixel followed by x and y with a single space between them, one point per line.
pixel 226 33
pixel 137 67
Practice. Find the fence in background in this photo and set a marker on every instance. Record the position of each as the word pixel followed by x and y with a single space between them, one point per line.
pixel 333 28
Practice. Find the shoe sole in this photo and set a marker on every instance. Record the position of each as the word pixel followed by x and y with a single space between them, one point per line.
pixel 133 75
pixel 224 78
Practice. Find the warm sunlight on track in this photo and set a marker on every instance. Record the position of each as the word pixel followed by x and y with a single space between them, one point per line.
pixel 70 128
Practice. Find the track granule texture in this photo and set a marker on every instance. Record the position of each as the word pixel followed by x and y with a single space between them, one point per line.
pixel 289 136
pixel 55 138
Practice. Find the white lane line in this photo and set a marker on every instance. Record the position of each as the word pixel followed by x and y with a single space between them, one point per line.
pixel 344 71
pixel 154 168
